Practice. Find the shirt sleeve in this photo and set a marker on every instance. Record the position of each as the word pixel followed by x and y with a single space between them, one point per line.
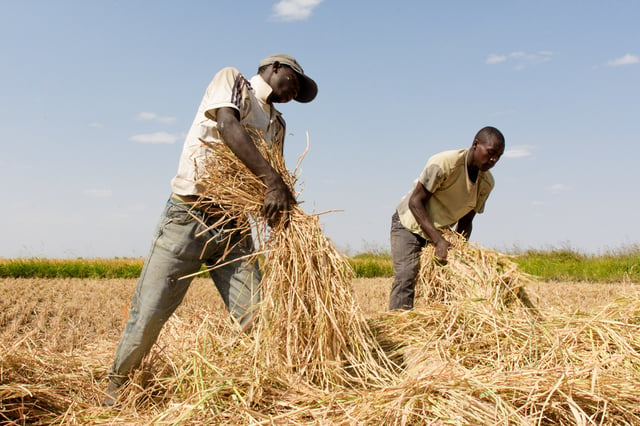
pixel 227 89
pixel 432 176
pixel 486 186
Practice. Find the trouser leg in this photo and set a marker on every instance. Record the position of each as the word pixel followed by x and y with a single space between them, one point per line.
pixel 175 252
pixel 238 281
pixel 405 251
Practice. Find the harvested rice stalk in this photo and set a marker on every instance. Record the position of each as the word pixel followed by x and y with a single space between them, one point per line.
pixel 310 327
pixel 482 366
pixel 310 322
pixel 465 364
pixel 471 273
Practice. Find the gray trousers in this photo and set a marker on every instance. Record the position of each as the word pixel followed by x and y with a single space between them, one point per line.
pixel 405 252
pixel 176 251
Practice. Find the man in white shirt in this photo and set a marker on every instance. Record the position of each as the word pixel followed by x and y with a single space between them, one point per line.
pixel 230 105
pixel 452 188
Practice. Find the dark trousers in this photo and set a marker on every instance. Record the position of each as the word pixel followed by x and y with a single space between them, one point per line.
pixel 405 251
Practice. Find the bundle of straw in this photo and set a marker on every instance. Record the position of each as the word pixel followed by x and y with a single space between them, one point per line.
pixel 471 273
pixel 310 322
pixel 310 330
pixel 473 365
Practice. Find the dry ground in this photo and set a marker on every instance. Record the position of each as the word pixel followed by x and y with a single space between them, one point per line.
pixel 569 297
pixel 81 308
pixel 80 321
pixel 73 314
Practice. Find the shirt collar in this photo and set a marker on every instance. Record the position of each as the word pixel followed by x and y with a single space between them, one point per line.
pixel 261 88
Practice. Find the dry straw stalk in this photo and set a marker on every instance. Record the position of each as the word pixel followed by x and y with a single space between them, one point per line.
pixel 472 273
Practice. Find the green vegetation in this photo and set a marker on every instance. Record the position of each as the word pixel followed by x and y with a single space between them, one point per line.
pixel 71 268
pixel 568 265
pixel 372 265
pixel 549 265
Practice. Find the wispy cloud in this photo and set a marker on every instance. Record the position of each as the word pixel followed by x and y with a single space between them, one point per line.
pixel 153 138
pixel 152 116
pixel 558 188
pixel 96 125
pixel 495 59
pixel 294 10
pixel 519 151
pixel 627 59
pixel 98 193
pixel 520 59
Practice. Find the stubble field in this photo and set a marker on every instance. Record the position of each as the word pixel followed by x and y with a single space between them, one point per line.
pixel 58 337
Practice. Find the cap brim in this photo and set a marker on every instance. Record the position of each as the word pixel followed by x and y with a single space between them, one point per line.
pixel 308 89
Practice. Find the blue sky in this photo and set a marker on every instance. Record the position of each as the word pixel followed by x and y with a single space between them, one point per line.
pixel 96 98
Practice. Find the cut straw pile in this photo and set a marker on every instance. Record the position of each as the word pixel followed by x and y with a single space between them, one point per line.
pixel 310 324
pixel 471 273
pixel 310 331
pixel 471 364
pixel 475 354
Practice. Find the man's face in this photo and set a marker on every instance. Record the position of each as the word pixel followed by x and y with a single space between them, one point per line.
pixel 285 84
pixel 487 153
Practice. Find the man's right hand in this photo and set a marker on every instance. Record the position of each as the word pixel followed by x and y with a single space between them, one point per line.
pixel 442 248
pixel 278 201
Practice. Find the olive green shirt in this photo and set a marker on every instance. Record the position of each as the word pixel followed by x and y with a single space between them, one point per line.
pixel 454 195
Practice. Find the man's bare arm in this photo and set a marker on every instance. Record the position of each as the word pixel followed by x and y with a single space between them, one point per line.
pixel 465 224
pixel 417 202
pixel 278 198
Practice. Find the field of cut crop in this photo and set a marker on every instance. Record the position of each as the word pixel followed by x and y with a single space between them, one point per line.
pixel 58 337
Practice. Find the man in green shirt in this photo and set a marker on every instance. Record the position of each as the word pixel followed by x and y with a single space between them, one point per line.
pixel 452 188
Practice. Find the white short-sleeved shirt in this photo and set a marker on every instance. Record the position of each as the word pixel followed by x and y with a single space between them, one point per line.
pixel 231 89
pixel 453 194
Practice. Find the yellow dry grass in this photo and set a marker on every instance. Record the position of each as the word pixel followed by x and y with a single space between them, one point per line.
pixel 58 338
pixel 472 273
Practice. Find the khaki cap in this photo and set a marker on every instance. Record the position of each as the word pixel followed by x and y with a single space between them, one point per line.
pixel 308 87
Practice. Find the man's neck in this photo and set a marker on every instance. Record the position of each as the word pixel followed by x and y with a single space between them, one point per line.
pixel 472 172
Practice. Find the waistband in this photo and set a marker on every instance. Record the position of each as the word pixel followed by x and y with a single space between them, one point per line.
pixel 206 208
pixel 184 199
